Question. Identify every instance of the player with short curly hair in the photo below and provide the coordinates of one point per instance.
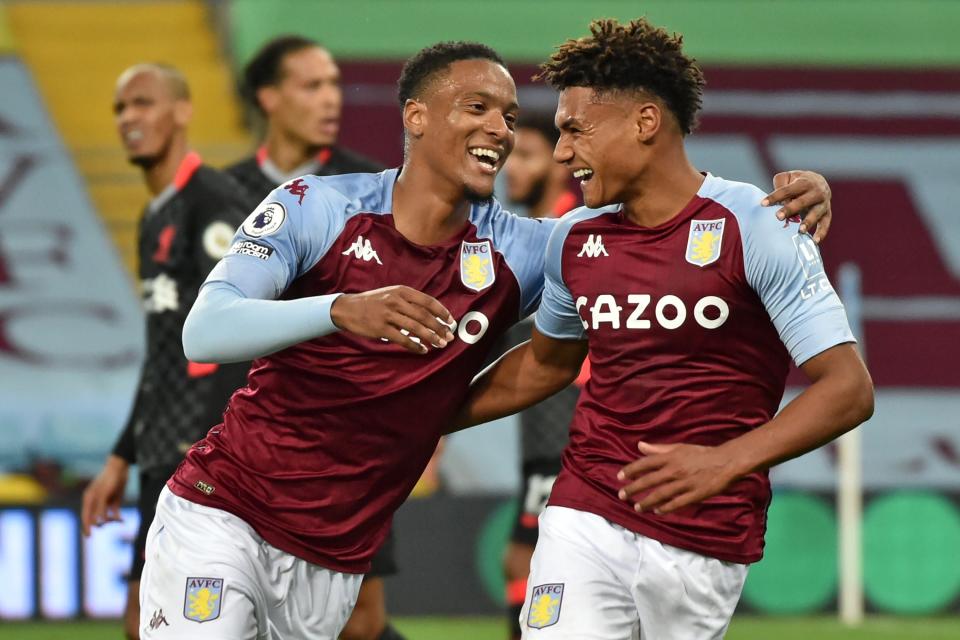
(691, 298)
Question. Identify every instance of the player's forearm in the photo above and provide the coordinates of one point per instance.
(225, 326)
(831, 406)
(514, 382)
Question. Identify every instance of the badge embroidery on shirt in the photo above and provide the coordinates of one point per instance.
(705, 241)
(476, 265)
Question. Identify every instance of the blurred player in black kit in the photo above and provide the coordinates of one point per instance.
(294, 83)
(541, 185)
(185, 229)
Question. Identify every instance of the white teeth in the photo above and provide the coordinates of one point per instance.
(136, 134)
(582, 173)
(488, 153)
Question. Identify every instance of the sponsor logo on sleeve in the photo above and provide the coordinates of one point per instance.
(202, 599)
(265, 221)
(252, 249)
(545, 601)
(705, 241)
(476, 265)
(815, 276)
(216, 239)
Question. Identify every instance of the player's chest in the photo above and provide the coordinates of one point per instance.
(669, 284)
(467, 275)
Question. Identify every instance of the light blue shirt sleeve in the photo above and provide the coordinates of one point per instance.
(557, 316)
(226, 326)
(236, 316)
(282, 239)
(785, 269)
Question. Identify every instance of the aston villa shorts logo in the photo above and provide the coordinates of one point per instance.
(476, 265)
(705, 241)
(545, 601)
(203, 599)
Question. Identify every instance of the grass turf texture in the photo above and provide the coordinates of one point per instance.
(743, 628)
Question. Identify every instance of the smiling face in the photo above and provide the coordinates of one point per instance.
(305, 103)
(602, 143)
(148, 114)
(463, 127)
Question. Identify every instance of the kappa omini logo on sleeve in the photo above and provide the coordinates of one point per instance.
(203, 599)
(476, 265)
(265, 221)
(545, 601)
(705, 241)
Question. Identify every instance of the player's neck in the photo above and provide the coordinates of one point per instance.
(663, 190)
(160, 175)
(426, 210)
(544, 208)
(286, 152)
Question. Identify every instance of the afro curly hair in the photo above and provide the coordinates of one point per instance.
(636, 56)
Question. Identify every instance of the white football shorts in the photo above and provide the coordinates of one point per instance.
(209, 575)
(591, 579)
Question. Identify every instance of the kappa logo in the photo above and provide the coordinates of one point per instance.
(158, 619)
(796, 218)
(265, 221)
(298, 188)
(704, 241)
(545, 601)
(476, 270)
(362, 249)
(593, 247)
(202, 599)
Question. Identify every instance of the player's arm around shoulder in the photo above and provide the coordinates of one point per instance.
(237, 315)
(522, 377)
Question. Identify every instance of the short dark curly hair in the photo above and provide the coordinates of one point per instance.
(419, 70)
(632, 56)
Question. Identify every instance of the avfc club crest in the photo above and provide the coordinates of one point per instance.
(476, 265)
(545, 601)
(203, 599)
(705, 241)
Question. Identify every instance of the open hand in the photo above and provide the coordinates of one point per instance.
(397, 314)
(805, 194)
(676, 475)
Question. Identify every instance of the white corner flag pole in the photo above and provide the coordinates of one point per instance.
(850, 476)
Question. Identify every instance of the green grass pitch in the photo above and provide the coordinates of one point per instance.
(743, 628)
